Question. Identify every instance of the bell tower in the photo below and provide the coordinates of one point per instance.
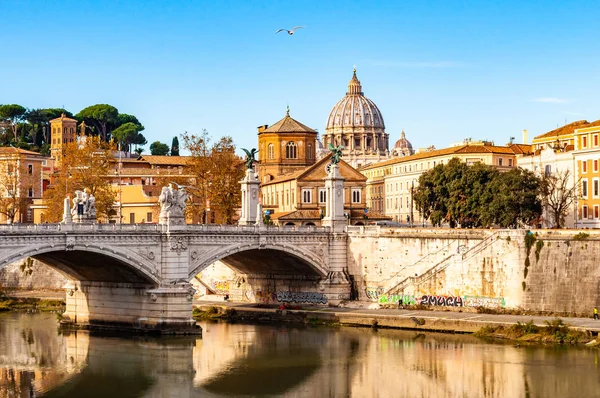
(63, 131)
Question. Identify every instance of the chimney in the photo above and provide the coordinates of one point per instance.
(262, 128)
(525, 137)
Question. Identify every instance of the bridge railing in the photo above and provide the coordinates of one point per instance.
(196, 228)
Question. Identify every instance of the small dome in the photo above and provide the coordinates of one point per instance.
(355, 110)
(321, 151)
(403, 146)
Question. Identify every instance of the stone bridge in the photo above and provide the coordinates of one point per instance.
(138, 275)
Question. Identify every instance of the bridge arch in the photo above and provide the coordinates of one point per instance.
(248, 258)
(90, 262)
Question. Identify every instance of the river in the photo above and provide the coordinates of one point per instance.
(235, 360)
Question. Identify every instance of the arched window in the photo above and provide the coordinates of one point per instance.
(309, 151)
(291, 150)
(271, 151)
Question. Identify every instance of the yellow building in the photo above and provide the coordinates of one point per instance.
(285, 148)
(20, 183)
(299, 198)
(390, 184)
(586, 159)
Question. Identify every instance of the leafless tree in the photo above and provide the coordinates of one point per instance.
(558, 196)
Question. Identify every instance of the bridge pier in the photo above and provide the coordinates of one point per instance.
(107, 305)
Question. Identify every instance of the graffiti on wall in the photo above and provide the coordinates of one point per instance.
(265, 296)
(301, 297)
(220, 287)
(373, 293)
(443, 301)
(405, 299)
(487, 302)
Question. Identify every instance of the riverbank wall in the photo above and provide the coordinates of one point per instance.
(540, 270)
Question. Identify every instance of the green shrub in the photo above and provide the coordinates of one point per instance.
(524, 285)
(538, 248)
(581, 236)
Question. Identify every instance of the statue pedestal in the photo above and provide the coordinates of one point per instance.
(250, 186)
(334, 205)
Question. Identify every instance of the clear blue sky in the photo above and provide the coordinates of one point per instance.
(440, 70)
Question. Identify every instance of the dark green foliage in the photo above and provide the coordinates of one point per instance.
(524, 285)
(525, 271)
(538, 248)
(175, 147)
(581, 236)
(102, 117)
(477, 196)
(158, 148)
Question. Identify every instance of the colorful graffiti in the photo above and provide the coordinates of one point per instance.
(397, 298)
(301, 297)
(220, 287)
(487, 302)
(373, 293)
(442, 301)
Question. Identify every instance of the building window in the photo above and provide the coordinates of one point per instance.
(30, 169)
(306, 196)
(584, 188)
(291, 150)
(499, 161)
(584, 166)
(595, 139)
(547, 170)
(30, 192)
(131, 218)
(584, 212)
(149, 216)
(309, 151)
(271, 151)
(596, 211)
(322, 195)
(510, 162)
(596, 165)
(356, 195)
(595, 187)
(584, 142)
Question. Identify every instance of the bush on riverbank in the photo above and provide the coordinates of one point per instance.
(31, 304)
(556, 331)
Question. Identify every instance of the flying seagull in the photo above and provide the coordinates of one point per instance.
(290, 32)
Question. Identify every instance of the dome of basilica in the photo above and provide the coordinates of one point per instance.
(403, 146)
(355, 110)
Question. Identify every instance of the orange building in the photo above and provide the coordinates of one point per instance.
(285, 148)
(20, 183)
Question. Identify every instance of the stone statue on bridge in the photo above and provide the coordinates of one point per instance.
(84, 207)
(172, 204)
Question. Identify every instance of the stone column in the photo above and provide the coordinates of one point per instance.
(67, 212)
(250, 186)
(334, 205)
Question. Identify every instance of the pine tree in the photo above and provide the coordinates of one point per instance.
(175, 147)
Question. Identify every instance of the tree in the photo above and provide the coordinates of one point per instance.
(103, 117)
(175, 147)
(39, 119)
(13, 114)
(217, 171)
(83, 166)
(516, 198)
(125, 134)
(158, 148)
(558, 195)
(15, 182)
(477, 195)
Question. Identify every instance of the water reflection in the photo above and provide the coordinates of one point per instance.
(244, 361)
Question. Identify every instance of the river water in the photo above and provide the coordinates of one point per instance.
(235, 360)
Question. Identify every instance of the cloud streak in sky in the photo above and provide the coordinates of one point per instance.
(551, 100)
(418, 64)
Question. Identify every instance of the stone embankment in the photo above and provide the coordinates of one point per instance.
(435, 321)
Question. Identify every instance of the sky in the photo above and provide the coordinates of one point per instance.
(442, 71)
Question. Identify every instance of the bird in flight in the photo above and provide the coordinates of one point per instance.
(290, 32)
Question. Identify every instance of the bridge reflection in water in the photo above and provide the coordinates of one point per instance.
(244, 360)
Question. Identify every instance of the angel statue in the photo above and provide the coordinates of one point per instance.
(336, 153)
(250, 157)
